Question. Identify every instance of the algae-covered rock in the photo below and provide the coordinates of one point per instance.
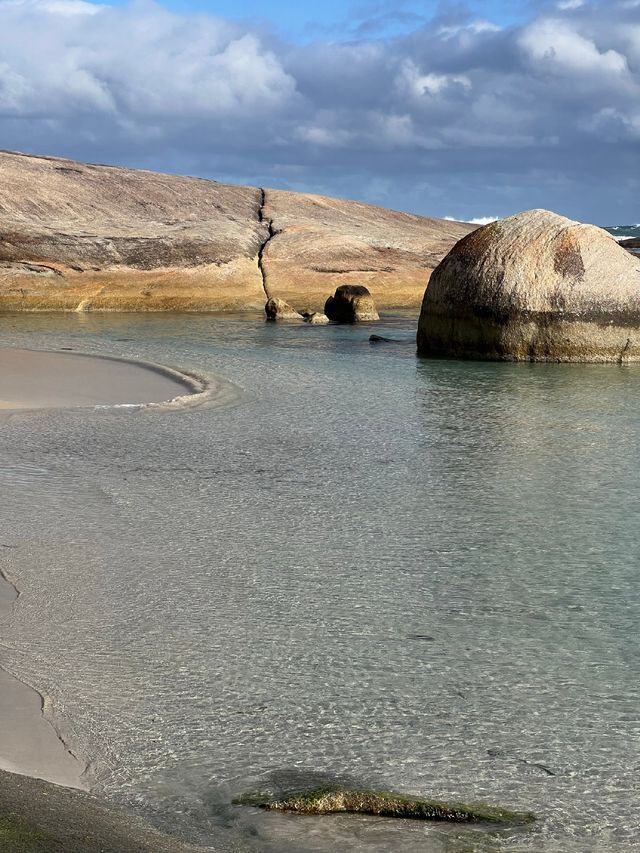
(383, 804)
(534, 287)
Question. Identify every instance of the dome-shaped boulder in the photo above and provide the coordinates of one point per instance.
(534, 287)
(351, 303)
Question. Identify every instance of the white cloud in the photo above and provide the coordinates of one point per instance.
(420, 84)
(132, 63)
(553, 43)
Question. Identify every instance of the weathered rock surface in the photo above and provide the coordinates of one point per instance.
(278, 309)
(75, 236)
(83, 237)
(320, 243)
(351, 303)
(534, 287)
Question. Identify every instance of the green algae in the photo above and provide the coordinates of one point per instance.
(18, 837)
(324, 801)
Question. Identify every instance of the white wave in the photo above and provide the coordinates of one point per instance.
(478, 220)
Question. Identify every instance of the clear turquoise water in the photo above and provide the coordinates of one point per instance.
(420, 575)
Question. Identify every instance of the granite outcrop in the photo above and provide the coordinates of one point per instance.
(84, 237)
(534, 287)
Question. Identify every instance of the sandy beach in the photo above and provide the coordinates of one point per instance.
(42, 380)
(45, 380)
(32, 752)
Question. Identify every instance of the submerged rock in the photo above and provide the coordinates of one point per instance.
(278, 309)
(351, 303)
(383, 804)
(316, 319)
(534, 287)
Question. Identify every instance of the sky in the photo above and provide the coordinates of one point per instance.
(463, 109)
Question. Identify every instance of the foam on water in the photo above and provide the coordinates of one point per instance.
(421, 575)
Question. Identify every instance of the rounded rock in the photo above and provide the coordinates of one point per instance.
(534, 287)
(278, 309)
(351, 303)
(317, 319)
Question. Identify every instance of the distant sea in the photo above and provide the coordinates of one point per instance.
(624, 232)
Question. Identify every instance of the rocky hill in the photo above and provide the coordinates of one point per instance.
(81, 237)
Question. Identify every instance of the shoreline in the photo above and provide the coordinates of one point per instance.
(52, 379)
(30, 744)
(39, 380)
(45, 795)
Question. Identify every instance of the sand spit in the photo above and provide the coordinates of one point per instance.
(31, 379)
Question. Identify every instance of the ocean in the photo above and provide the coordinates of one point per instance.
(625, 232)
(416, 575)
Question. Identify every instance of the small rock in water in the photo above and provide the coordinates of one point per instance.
(317, 318)
(378, 339)
(631, 243)
(278, 309)
(351, 303)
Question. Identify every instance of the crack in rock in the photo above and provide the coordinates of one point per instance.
(272, 232)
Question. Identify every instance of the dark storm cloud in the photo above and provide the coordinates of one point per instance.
(457, 117)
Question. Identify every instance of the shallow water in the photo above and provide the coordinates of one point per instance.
(420, 575)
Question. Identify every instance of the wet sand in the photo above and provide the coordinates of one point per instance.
(28, 742)
(30, 380)
(44, 380)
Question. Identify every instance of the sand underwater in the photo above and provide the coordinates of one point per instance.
(342, 562)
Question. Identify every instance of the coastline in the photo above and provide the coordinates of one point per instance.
(44, 790)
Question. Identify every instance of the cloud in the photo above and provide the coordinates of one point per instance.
(457, 115)
(556, 45)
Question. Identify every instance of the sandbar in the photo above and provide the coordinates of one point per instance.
(31, 379)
